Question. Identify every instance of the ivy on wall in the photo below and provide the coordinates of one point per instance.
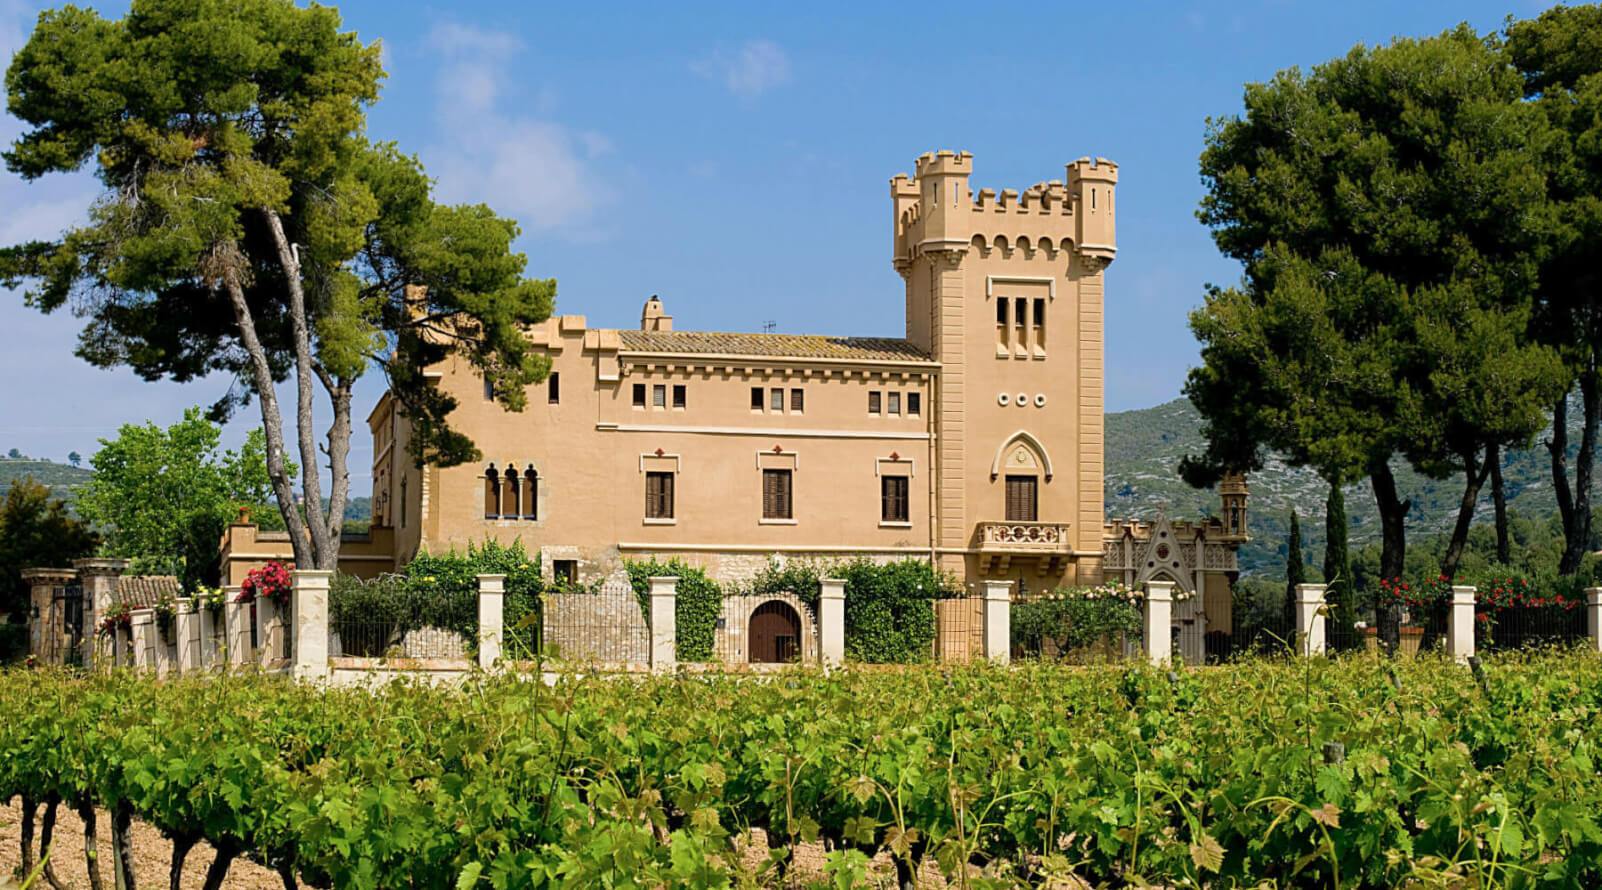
(889, 611)
(696, 611)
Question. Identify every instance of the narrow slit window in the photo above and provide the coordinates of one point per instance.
(873, 402)
(659, 396)
(756, 398)
(1020, 319)
(489, 390)
(531, 494)
(553, 388)
(681, 395)
(776, 400)
(492, 493)
(893, 402)
(509, 492)
(797, 400)
(639, 395)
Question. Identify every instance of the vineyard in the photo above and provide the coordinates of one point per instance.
(1349, 772)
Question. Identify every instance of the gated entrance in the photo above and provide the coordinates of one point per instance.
(66, 607)
(775, 634)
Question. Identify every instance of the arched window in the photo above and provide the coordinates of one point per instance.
(509, 493)
(531, 494)
(492, 493)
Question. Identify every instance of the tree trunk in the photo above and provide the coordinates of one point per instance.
(311, 482)
(272, 419)
(1474, 475)
(181, 846)
(47, 839)
(218, 872)
(29, 806)
(286, 873)
(339, 395)
(122, 864)
(1493, 457)
(91, 851)
(1393, 550)
(1577, 525)
(1338, 569)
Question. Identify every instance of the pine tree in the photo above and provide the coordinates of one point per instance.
(1295, 569)
(1338, 570)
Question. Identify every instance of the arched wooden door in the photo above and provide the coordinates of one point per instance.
(775, 634)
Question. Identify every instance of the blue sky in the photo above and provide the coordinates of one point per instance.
(735, 159)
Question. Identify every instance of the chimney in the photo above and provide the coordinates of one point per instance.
(652, 318)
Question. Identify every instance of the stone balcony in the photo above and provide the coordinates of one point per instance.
(999, 543)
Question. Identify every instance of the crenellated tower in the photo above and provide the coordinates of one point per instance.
(1004, 290)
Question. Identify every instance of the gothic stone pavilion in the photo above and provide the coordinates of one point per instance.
(974, 441)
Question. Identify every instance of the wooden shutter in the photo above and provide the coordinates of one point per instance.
(776, 494)
(659, 495)
(893, 499)
(1022, 499)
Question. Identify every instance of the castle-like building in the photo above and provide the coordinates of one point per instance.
(974, 441)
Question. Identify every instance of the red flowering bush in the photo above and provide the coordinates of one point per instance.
(270, 581)
(118, 617)
(1415, 596)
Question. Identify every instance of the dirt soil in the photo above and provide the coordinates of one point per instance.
(152, 854)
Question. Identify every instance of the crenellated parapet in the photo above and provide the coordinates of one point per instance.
(937, 210)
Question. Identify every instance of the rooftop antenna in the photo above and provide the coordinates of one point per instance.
(768, 327)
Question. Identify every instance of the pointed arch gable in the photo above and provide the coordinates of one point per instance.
(1027, 439)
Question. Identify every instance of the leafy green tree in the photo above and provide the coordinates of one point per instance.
(1560, 56)
(249, 227)
(74, 458)
(1338, 570)
(165, 496)
(1295, 569)
(14, 454)
(36, 531)
(1388, 208)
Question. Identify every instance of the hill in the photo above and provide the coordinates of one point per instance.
(1144, 448)
(61, 478)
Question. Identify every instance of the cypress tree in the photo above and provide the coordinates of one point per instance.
(1338, 570)
(1295, 569)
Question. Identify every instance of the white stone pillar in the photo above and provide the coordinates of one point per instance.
(491, 619)
(1310, 620)
(831, 622)
(119, 648)
(998, 621)
(186, 629)
(308, 604)
(211, 642)
(1593, 616)
(664, 636)
(236, 629)
(1460, 623)
(144, 639)
(1158, 630)
(99, 580)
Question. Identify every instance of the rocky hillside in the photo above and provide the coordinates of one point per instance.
(62, 478)
(1143, 452)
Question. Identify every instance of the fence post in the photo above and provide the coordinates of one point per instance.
(308, 605)
(236, 628)
(664, 636)
(1593, 616)
(831, 622)
(1460, 624)
(491, 618)
(206, 619)
(186, 630)
(1157, 632)
(266, 631)
(143, 622)
(998, 621)
(1310, 621)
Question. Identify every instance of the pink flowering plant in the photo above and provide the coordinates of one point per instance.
(271, 581)
(118, 617)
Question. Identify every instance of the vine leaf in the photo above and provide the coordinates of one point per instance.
(469, 876)
(1207, 853)
(1328, 815)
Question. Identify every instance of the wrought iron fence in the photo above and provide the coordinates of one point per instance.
(959, 629)
(440, 627)
(1075, 630)
(1256, 634)
(606, 627)
(1525, 627)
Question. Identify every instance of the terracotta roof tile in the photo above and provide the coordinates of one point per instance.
(142, 591)
(776, 345)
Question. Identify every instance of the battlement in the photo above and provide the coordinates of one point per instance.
(936, 210)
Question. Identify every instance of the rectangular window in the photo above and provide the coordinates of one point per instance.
(797, 400)
(1020, 318)
(1023, 503)
(1001, 311)
(776, 400)
(553, 388)
(914, 403)
(893, 498)
(756, 398)
(659, 396)
(776, 494)
(1040, 313)
(680, 395)
(489, 390)
(639, 395)
(873, 402)
(894, 400)
(564, 572)
(658, 495)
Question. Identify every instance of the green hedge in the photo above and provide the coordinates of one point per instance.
(695, 614)
(889, 611)
(1071, 622)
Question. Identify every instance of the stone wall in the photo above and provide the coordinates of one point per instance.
(607, 627)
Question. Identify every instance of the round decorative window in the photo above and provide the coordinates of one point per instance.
(1023, 400)
(1040, 400)
(1162, 551)
(1003, 399)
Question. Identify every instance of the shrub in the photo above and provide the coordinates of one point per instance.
(1071, 622)
(696, 611)
(889, 609)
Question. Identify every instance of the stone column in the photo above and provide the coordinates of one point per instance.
(144, 639)
(308, 600)
(186, 628)
(236, 629)
(1310, 620)
(1593, 617)
(1460, 624)
(664, 636)
(47, 628)
(211, 641)
(165, 654)
(99, 579)
(491, 619)
(998, 621)
(1158, 629)
(119, 648)
(831, 622)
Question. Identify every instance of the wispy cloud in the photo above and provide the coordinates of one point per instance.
(533, 168)
(753, 69)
